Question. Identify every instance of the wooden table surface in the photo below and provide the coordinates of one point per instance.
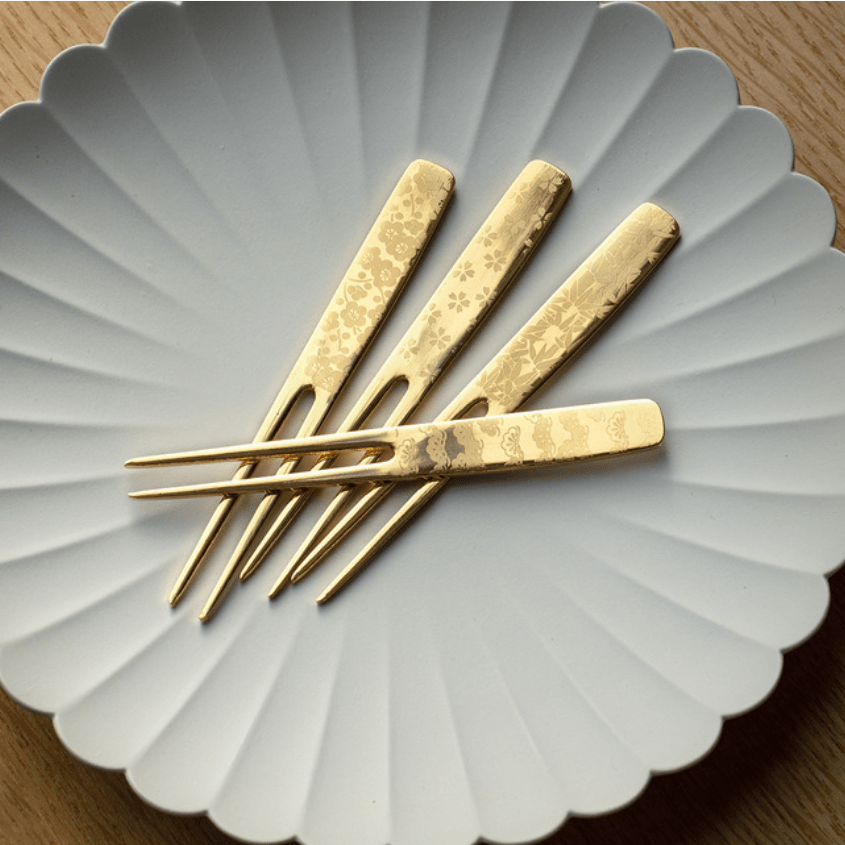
(777, 776)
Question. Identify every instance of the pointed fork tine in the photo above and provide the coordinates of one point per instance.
(331, 477)
(423, 496)
(285, 401)
(318, 444)
(326, 533)
(331, 539)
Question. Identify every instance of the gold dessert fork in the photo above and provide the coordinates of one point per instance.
(439, 449)
(363, 299)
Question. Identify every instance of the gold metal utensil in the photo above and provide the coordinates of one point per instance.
(571, 317)
(428, 450)
(356, 311)
(476, 282)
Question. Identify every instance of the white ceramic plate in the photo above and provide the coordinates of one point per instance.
(176, 209)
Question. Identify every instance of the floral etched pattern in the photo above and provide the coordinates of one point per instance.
(534, 439)
(458, 301)
(376, 276)
(577, 310)
(483, 272)
(511, 447)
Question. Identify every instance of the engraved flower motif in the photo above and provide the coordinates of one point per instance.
(463, 271)
(325, 369)
(616, 428)
(458, 301)
(542, 435)
(411, 348)
(394, 234)
(511, 446)
(438, 338)
(515, 227)
(401, 248)
(488, 427)
(428, 182)
(494, 261)
(414, 227)
(407, 456)
(356, 291)
(488, 236)
(538, 220)
(523, 194)
(433, 313)
(353, 315)
(389, 232)
(465, 434)
(431, 337)
(552, 183)
(330, 322)
(385, 274)
(371, 258)
(435, 447)
(578, 434)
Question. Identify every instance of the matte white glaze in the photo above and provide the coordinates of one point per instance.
(175, 211)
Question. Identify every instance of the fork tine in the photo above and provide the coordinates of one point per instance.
(423, 496)
(367, 503)
(308, 479)
(285, 401)
(317, 444)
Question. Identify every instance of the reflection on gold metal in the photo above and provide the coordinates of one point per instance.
(356, 311)
(557, 331)
(458, 447)
(470, 290)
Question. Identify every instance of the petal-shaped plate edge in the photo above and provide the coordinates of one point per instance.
(124, 18)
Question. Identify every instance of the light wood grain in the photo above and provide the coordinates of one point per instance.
(777, 775)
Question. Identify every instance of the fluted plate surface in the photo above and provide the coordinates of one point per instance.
(177, 207)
